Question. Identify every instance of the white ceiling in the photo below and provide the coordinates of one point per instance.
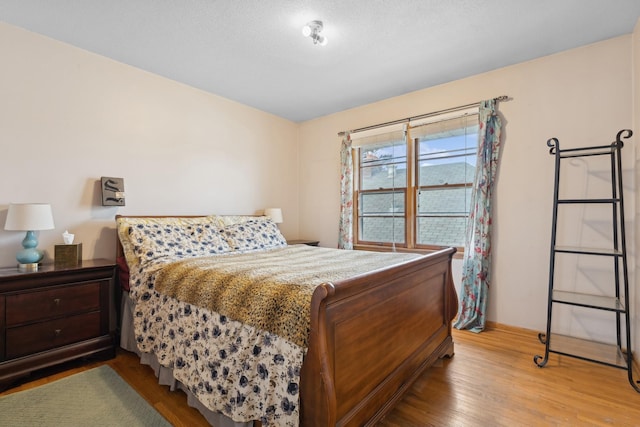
(253, 51)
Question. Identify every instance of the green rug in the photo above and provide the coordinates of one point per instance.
(97, 397)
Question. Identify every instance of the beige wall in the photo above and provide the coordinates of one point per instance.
(582, 96)
(68, 117)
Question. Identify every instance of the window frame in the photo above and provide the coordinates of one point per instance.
(411, 194)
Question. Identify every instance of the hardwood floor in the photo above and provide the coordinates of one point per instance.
(491, 381)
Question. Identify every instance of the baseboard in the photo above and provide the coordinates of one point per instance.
(508, 328)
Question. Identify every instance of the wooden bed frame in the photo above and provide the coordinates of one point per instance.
(371, 338)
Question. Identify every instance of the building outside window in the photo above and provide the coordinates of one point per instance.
(413, 182)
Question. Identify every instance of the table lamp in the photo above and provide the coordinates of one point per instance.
(29, 217)
(275, 214)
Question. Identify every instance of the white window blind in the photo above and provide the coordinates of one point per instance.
(443, 126)
(378, 136)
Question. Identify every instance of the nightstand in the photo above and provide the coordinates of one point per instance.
(55, 315)
(303, 242)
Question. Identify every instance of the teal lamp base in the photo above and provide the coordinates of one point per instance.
(29, 257)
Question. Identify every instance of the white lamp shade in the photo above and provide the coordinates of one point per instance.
(275, 214)
(29, 217)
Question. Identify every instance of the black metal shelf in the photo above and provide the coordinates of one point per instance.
(617, 355)
(601, 150)
(592, 351)
(588, 251)
(583, 201)
(590, 301)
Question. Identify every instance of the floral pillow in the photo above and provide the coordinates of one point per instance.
(254, 234)
(224, 220)
(149, 239)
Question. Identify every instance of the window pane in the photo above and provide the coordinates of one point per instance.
(444, 201)
(441, 230)
(447, 161)
(445, 172)
(442, 216)
(383, 166)
(382, 217)
(382, 229)
(380, 153)
(386, 203)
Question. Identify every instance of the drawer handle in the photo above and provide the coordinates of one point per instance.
(57, 332)
(57, 301)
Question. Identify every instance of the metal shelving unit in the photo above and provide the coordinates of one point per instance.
(617, 355)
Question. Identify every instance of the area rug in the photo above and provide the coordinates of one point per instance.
(97, 397)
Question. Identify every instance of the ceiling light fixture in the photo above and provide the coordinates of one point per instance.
(313, 29)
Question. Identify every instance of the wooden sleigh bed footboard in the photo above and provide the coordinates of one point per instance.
(372, 336)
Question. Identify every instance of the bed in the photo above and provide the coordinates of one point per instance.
(347, 341)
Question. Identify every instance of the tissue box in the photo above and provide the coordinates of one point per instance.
(68, 255)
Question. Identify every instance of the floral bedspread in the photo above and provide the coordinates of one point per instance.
(232, 368)
(243, 365)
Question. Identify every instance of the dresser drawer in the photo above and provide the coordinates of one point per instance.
(56, 314)
(63, 301)
(37, 337)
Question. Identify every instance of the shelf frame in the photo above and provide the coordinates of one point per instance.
(618, 355)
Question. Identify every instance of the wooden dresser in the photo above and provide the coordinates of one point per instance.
(55, 315)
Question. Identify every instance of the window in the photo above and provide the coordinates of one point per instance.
(413, 182)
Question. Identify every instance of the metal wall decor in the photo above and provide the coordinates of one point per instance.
(112, 191)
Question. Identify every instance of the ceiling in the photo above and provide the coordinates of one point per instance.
(253, 51)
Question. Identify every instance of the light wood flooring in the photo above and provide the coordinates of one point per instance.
(491, 381)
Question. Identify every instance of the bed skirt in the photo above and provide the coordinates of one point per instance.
(165, 375)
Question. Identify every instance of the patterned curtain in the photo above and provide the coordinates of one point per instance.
(476, 265)
(345, 238)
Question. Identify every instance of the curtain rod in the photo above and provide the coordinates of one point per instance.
(422, 116)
